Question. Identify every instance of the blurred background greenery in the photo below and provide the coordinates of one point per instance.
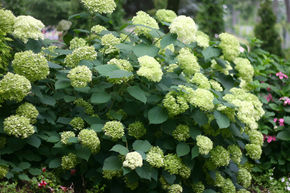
(269, 20)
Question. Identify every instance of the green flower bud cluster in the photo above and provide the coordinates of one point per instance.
(171, 67)
(245, 69)
(217, 67)
(150, 68)
(2, 142)
(77, 123)
(80, 76)
(216, 86)
(181, 133)
(202, 39)
(244, 177)
(143, 18)
(256, 137)
(228, 186)
(175, 188)
(3, 172)
(155, 157)
(100, 6)
(69, 161)
(114, 129)
(243, 191)
(77, 43)
(122, 65)
(18, 126)
(136, 130)
(185, 171)
(202, 99)
(131, 185)
(198, 187)
(165, 15)
(133, 160)
(230, 46)
(219, 156)
(97, 29)
(173, 164)
(235, 153)
(89, 109)
(188, 62)
(29, 111)
(175, 103)
(110, 174)
(82, 53)
(7, 21)
(200, 80)
(204, 144)
(254, 151)
(89, 139)
(65, 137)
(14, 87)
(109, 41)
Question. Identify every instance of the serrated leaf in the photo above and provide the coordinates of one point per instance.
(24, 165)
(112, 163)
(141, 145)
(200, 117)
(194, 132)
(104, 70)
(167, 40)
(54, 65)
(210, 52)
(221, 119)
(120, 149)
(23, 177)
(137, 93)
(182, 149)
(142, 50)
(34, 171)
(48, 100)
(194, 152)
(284, 135)
(61, 84)
(34, 141)
(83, 152)
(157, 115)
(100, 97)
(144, 172)
(97, 127)
(55, 163)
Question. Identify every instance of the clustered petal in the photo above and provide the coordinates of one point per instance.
(3, 171)
(219, 156)
(198, 187)
(244, 68)
(133, 160)
(80, 76)
(202, 39)
(18, 126)
(188, 62)
(136, 130)
(244, 177)
(89, 139)
(235, 153)
(230, 46)
(175, 103)
(82, 53)
(114, 129)
(150, 68)
(181, 133)
(155, 157)
(165, 15)
(77, 43)
(69, 161)
(143, 18)
(89, 109)
(175, 188)
(64, 137)
(200, 80)
(7, 21)
(109, 41)
(77, 123)
(97, 29)
(204, 144)
(100, 6)
(254, 151)
(29, 111)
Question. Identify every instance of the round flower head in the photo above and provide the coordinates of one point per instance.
(256, 137)
(175, 103)
(7, 21)
(27, 27)
(3, 172)
(228, 186)
(2, 142)
(254, 151)
(109, 41)
(230, 46)
(14, 87)
(235, 153)
(219, 156)
(203, 99)
(89, 109)
(133, 160)
(80, 76)
(65, 137)
(204, 144)
(143, 18)
(181, 133)
(100, 6)
(110, 174)
(18, 126)
(89, 139)
(243, 191)
(188, 62)
(175, 188)
(185, 171)
(82, 53)
(244, 177)
(198, 187)
(122, 65)
(172, 163)
(215, 85)
(155, 157)
(77, 43)
(114, 129)
(150, 68)
(165, 15)
(69, 161)
(136, 130)
(219, 180)
(171, 67)
(97, 29)
(202, 39)
(29, 111)
(200, 80)
(244, 68)
(77, 123)
(185, 28)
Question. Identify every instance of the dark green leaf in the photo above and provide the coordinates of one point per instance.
(221, 119)
(83, 152)
(167, 40)
(53, 139)
(144, 172)
(284, 135)
(24, 165)
(34, 171)
(112, 163)
(55, 163)
(119, 74)
(97, 127)
(182, 149)
(48, 100)
(100, 97)
(142, 50)
(61, 84)
(34, 141)
(209, 191)
(200, 117)
(287, 120)
(23, 177)
(120, 149)
(105, 69)
(157, 115)
(54, 65)
(221, 62)
(194, 152)
(194, 132)
(141, 145)
(137, 93)
(210, 52)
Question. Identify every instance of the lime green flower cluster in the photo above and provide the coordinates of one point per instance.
(14, 87)
(185, 28)
(249, 108)
(100, 6)
(132, 185)
(69, 161)
(77, 42)
(175, 188)
(202, 39)
(200, 80)
(175, 103)
(254, 151)
(136, 130)
(97, 29)
(228, 186)
(256, 137)
(82, 53)
(109, 41)
(230, 46)
(188, 62)
(244, 68)
(181, 133)
(143, 18)
(7, 21)
(163, 50)
(204, 144)
(114, 129)
(33, 66)
(89, 139)
(2, 142)
(244, 177)
(198, 187)
(110, 174)
(216, 66)
(219, 180)
(173, 164)
(64, 137)
(27, 27)
(18, 126)
(219, 156)
(235, 153)
(165, 15)
(3, 171)
(89, 109)
(215, 85)
(77, 123)
(185, 171)
(133, 160)
(155, 157)
(243, 191)
(171, 67)
(150, 68)
(29, 111)
(202, 99)
(122, 65)
(80, 76)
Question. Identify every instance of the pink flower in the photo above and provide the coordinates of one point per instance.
(42, 184)
(262, 81)
(273, 138)
(275, 120)
(268, 89)
(281, 122)
(43, 169)
(269, 97)
(281, 75)
(286, 100)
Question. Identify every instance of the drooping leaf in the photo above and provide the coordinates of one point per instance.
(157, 115)
(137, 93)
(120, 149)
(144, 172)
(210, 52)
(221, 119)
(142, 50)
(194, 152)
(100, 97)
(141, 145)
(112, 163)
(182, 149)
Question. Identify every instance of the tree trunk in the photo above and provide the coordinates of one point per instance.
(173, 5)
(287, 5)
